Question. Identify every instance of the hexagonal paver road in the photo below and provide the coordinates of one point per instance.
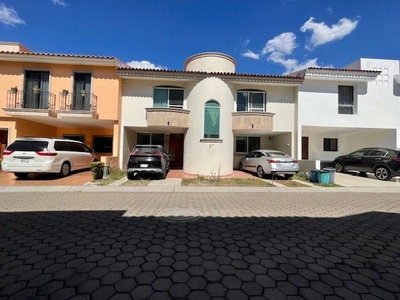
(102, 254)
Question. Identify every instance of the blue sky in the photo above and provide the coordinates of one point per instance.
(264, 36)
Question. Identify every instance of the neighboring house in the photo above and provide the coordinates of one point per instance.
(59, 95)
(207, 116)
(341, 110)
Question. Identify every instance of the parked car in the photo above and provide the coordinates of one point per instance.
(46, 155)
(383, 162)
(148, 159)
(270, 162)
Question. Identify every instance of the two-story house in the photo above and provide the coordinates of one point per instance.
(207, 116)
(342, 110)
(59, 95)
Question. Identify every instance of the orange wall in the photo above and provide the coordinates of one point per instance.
(28, 128)
(105, 83)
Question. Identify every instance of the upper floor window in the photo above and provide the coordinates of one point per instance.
(211, 119)
(82, 91)
(251, 101)
(36, 90)
(168, 96)
(346, 100)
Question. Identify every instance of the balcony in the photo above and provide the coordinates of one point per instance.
(167, 117)
(30, 103)
(252, 121)
(83, 105)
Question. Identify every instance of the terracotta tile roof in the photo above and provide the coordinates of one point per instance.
(291, 76)
(57, 55)
(343, 70)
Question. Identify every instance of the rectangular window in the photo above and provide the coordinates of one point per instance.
(346, 100)
(82, 91)
(251, 101)
(246, 144)
(168, 97)
(103, 144)
(330, 144)
(79, 138)
(36, 94)
(150, 139)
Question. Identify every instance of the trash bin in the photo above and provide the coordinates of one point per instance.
(323, 177)
(332, 172)
(314, 176)
(106, 171)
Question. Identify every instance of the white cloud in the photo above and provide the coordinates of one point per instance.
(330, 10)
(9, 16)
(60, 2)
(279, 49)
(251, 54)
(281, 45)
(144, 64)
(322, 34)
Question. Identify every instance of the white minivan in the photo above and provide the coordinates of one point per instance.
(46, 155)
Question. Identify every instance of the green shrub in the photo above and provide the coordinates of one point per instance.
(97, 169)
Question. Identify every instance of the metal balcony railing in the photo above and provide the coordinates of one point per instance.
(78, 101)
(21, 99)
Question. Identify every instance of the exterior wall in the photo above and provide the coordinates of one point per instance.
(211, 156)
(210, 62)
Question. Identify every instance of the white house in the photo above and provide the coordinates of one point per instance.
(341, 110)
(208, 116)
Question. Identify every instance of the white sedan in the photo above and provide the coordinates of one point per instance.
(269, 162)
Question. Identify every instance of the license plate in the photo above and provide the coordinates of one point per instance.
(144, 165)
(24, 161)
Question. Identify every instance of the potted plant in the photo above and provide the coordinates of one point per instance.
(36, 89)
(96, 168)
(83, 93)
(14, 90)
(64, 93)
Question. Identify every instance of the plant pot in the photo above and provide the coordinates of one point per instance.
(14, 90)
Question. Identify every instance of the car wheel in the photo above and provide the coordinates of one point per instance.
(241, 167)
(260, 172)
(339, 167)
(65, 169)
(130, 176)
(382, 173)
(288, 176)
(21, 175)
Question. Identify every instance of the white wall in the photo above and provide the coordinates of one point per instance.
(207, 158)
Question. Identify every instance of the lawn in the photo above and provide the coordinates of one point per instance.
(241, 182)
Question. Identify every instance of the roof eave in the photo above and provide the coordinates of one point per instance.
(59, 59)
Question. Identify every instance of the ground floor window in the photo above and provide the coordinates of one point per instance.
(80, 138)
(330, 144)
(151, 139)
(103, 144)
(246, 144)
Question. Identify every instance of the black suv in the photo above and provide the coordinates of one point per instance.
(148, 159)
(383, 162)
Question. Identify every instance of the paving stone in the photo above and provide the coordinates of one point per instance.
(179, 290)
(111, 278)
(216, 290)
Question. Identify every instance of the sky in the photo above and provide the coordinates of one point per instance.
(272, 37)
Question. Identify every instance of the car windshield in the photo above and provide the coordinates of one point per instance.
(146, 150)
(277, 154)
(28, 146)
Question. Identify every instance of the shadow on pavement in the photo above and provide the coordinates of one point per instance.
(104, 255)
